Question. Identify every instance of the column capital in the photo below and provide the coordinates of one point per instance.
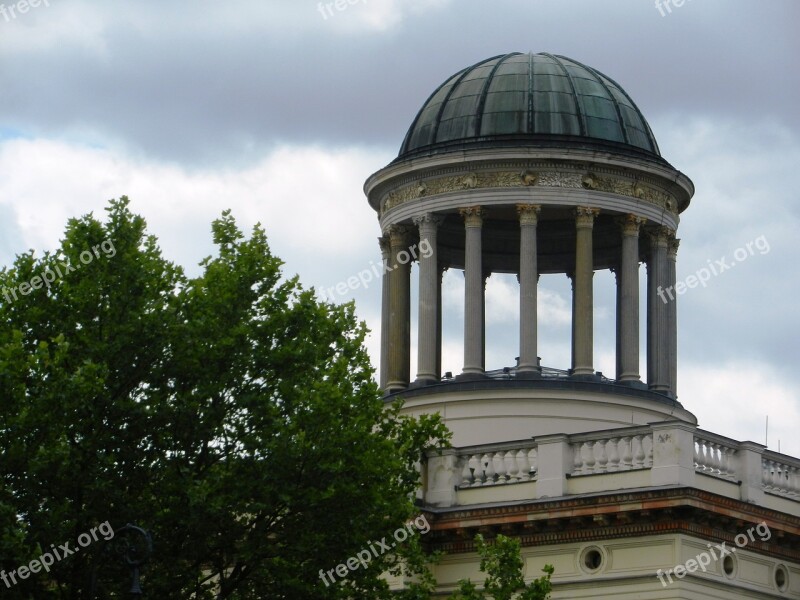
(672, 249)
(428, 220)
(473, 215)
(659, 236)
(384, 243)
(528, 213)
(399, 234)
(630, 224)
(584, 216)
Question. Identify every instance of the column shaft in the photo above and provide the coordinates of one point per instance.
(473, 292)
(384, 244)
(398, 374)
(528, 282)
(672, 318)
(428, 298)
(628, 297)
(439, 274)
(582, 317)
(657, 326)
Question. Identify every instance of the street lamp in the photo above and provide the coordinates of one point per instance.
(131, 546)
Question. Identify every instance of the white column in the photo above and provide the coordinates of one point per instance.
(657, 301)
(440, 274)
(473, 291)
(428, 299)
(582, 316)
(384, 244)
(528, 282)
(672, 318)
(398, 374)
(628, 296)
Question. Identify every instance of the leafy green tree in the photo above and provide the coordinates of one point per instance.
(232, 414)
(502, 564)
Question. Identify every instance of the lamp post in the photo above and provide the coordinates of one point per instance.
(131, 546)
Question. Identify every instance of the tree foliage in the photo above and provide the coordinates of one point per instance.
(502, 563)
(232, 414)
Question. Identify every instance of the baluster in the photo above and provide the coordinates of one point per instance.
(524, 465)
(602, 456)
(794, 483)
(500, 468)
(613, 454)
(647, 443)
(512, 470)
(533, 459)
(726, 461)
(577, 460)
(638, 452)
(627, 453)
(488, 469)
(697, 457)
(477, 469)
(590, 459)
(777, 477)
(766, 474)
(721, 460)
(709, 458)
(466, 472)
(701, 454)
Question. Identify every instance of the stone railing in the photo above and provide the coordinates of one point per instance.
(715, 455)
(608, 453)
(781, 475)
(497, 466)
(669, 453)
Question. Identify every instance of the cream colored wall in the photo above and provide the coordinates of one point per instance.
(628, 571)
(496, 416)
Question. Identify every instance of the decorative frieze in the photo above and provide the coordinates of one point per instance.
(566, 178)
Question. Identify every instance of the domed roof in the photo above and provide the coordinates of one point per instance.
(528, 98)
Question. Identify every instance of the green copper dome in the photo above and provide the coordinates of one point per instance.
(530, 99)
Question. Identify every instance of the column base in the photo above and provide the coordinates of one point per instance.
(471, 376)
(584, 376)
(395, 386)
(633, 383)
(660, 388)
(582, 371)
(529, 373)
(423, 382)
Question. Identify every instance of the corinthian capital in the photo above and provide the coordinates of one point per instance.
(584, 216)
(660, 236)
(672, 249)
(631, 224)
(473, 215)
(399, 235)
(528, 213)
(427, 221)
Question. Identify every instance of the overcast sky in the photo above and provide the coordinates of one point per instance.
(280, 109)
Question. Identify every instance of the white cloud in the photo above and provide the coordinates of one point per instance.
(309, 200)
(734, 399)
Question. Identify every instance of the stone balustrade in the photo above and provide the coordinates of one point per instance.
(498, 467)
(666, 453)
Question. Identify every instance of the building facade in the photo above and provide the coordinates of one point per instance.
(531, 164)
